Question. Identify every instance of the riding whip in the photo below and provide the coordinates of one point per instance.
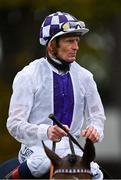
(51, 116)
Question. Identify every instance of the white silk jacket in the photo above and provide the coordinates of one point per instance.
(32, 102)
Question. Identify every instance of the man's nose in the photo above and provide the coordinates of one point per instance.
(75, 45)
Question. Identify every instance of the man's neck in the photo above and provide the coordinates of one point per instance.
(58, 64)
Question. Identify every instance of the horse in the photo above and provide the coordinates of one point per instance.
(69, 167)
(72, 166)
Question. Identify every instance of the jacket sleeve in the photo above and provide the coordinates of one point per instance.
(95, 115)
(19, 111)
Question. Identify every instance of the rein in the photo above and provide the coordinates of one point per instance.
(71, 147)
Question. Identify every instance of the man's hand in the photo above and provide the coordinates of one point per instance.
(55, 133)
(91, 133)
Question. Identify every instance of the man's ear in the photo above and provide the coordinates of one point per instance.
(49, 46)
(52, 47)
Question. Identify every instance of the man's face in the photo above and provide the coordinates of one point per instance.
(68, 47)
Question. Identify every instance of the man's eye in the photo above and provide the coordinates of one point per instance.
(70, 41)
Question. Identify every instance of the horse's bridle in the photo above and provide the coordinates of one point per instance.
(72, 171)
(71, 139)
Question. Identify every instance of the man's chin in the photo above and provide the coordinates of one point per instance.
(71, 60)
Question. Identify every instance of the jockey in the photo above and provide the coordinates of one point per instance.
(54, 84)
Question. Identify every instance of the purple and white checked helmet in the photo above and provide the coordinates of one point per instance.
(58, 24)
